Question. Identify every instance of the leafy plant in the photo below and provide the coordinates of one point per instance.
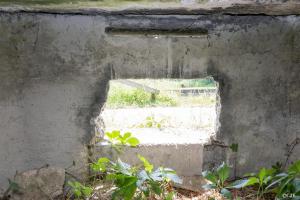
(118, 140)
(287, 183)
(262, 179)
(151, 122)
(119, 96)
(79, 190)
(137, 182)
(218, 180)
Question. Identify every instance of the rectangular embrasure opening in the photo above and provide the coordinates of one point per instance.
(163, 111)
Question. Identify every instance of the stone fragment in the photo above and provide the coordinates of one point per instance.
(40, 184)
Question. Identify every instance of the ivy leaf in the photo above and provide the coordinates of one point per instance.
(126, 135)
(101, 165)
(126, 188)
(87, 191)
(115, 134)
(133, 141)
(147, 165)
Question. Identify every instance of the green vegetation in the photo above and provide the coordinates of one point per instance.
(218, 180)
(138, 182)
(151, 122)
(274, 182)
(171, 84)
(118, 140)
(122, 97)
(79, 190)
(128, 182)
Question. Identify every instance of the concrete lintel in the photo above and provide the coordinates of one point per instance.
(224, 8)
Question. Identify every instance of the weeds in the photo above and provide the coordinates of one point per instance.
(120, 97)
(129, 182)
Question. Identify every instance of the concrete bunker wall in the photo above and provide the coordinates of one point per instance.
(55, 68)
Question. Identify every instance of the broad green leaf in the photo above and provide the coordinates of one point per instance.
(223, 172)
(276, 182)
(284, 184)
(296, 184)
(295, 168)
(174, 178)
(115, 134)
(147, 165)
(142, 177)
(239, 184)
(267, 179)
(157, 175)
(133, 141)
(226, 193)
(262, 174)
(252, 181)
(111, 177)
(126, 135)
(127, 190)
(210, 176)
(156, 187)
(209, 186)
(100, 165)
(123, 167)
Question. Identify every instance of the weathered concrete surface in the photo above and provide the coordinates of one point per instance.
(231, 7)
(43, 184)
(168, 155)
(55, 68)
(195, 118)
(185, 158)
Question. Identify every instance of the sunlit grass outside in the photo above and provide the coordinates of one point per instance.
(121, 96)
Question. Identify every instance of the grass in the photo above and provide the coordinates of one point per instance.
(123, 96)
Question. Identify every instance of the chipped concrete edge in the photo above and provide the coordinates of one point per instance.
(278, 9)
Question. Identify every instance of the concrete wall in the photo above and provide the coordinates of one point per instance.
(54, 70)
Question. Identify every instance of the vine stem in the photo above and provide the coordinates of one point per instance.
(291, 147)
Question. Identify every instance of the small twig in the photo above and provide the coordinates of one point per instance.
(218, 143)
(291, 147)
